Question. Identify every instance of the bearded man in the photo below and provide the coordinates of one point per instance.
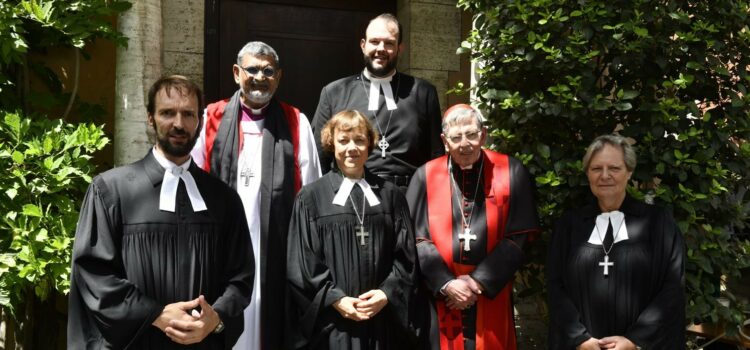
(404, 110)
(162, 257)
(264, 149)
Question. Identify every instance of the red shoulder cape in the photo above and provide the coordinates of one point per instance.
(494, 326)
(214, 114)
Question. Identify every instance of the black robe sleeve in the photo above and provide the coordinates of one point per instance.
(311, 286)
(399, 284)
(239, 273)
(563, 314)
(500, 265)
(662, 323)
(437, 148)
(434, 271)
(101, 297)
(322, 114)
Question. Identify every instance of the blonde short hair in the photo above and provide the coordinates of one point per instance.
(346, 121)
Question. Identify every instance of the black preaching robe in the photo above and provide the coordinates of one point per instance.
(494, 269)
(328, 262)
(642, 298)
(131, 259)
(414, 130)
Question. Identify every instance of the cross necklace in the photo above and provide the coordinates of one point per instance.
(466, 235)
(606, 264)
(247, 164)
(361, 233)
(383, 143)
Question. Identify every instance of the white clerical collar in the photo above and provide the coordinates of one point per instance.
(172, 175)
(602, 221)
(256, 111)
(375, 84)
(346, 187)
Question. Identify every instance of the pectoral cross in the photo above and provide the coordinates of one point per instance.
(467, 236)
(606, 264)
(362, 234)
(383, 145)
(247, 174)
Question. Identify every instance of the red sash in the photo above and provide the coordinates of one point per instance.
(494, 325)
(214, 114)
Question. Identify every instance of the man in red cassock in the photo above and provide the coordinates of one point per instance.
(470, 250)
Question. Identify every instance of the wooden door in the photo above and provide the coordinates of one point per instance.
(317, 42)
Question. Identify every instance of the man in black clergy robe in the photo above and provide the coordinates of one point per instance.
(162, 256)
(473, 210)
(404, 109)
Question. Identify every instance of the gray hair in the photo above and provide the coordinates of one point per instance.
(459, 114)
(628, 153)
(258, 48)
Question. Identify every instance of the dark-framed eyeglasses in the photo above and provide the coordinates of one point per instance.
(471, 136)
(267, 72)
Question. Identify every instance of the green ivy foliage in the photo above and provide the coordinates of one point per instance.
(34, 25)
(46, 169)
(672, 76)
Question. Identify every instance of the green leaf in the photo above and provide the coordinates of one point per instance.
(704, 264)
(14, 123)
(18, 157)
(623, 106)
(629, 94)
(32, 210)
(543, 150)
(41, 236)
(641, 32)
(48, 163)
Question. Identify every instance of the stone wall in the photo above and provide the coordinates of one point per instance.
(137, 66)
(183, 38)
(433, 30)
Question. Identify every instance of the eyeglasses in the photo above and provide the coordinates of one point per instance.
(268, 72)
(471, 136)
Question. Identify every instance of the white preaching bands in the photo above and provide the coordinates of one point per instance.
(346, 187)
(373, 98)
(375, 85)
(172, 175)
(602, 220)
(617, 219)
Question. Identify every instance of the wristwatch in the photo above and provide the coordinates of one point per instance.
(219, 327)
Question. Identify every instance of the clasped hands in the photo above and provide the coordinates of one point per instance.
(363, 307)
(614, 342)
(182, 323)
(462, 292)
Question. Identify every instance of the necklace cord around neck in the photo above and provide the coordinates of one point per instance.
(614, 234)
(374, 113)
(458, 190)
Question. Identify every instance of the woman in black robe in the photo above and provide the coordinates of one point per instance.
(351, 251)
(615, 269)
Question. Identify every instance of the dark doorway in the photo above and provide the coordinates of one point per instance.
(317, 42)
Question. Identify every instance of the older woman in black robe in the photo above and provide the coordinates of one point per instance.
(615, 269)
(351, 251)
